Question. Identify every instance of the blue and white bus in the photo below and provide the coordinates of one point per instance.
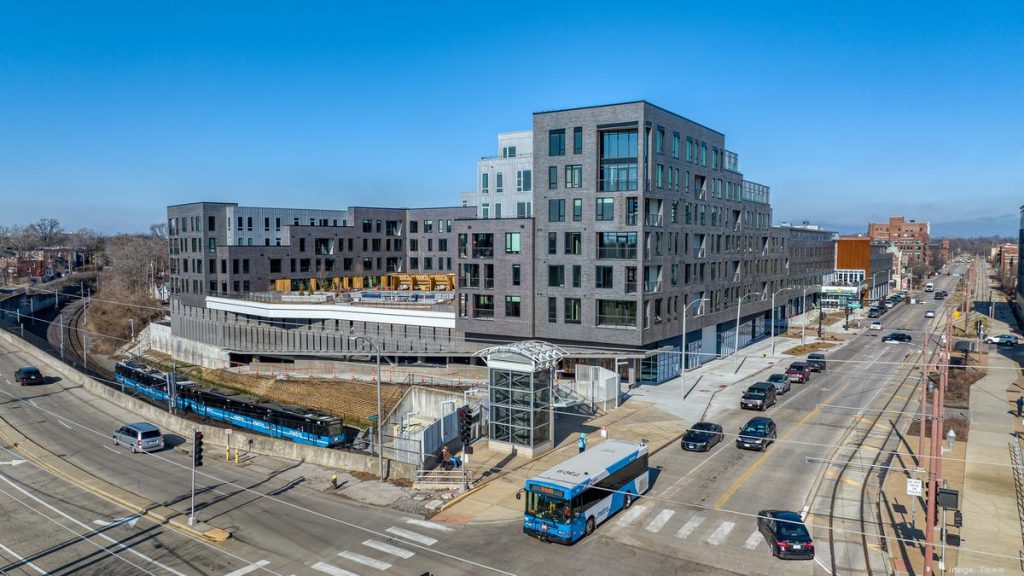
(568, 501)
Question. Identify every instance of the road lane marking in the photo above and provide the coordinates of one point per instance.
(332, 570)
(718, 536)
(365, 560)
(250, 568)
(631, 515)
(691, 525)
(414, 536)
(429, 524)
(64, 424)
(21, 560)
(659, 521)
(393, 550)
(753, 540)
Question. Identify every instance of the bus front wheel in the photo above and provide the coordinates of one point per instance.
(629, 500)
(590, 526)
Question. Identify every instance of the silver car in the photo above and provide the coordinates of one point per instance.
(140, 437)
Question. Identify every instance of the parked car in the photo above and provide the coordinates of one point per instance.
(929, 314)
(140, 437)
(759, 396)
(873, 312)
(28, 375)
(702, 436)
(781, 382)
(757, 434)
(798, 372)
(896, 338)
(1002, 340)
(786, 534)
(816, 361)
(876, 325)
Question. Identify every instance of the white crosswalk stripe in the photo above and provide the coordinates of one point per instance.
(718, 536)
(393, 550)
(250, 568)
(365, 560)
(753, 540)
(691, 525)
(659, 521)
(410, 535)
(331, 570)
(631, 515)
(429, 524)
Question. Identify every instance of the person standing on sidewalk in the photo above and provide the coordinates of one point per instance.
(582, 442)
(1020, 405)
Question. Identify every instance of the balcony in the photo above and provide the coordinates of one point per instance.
(617, 253)
(652, 286)
(630, 287)
(731, 161)
(652, 219)
(483, 252)
(632, 219)
(754, 192)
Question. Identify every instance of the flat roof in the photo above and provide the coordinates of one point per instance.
(591, 465)
(666, 110)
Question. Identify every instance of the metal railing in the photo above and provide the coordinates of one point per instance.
(1017, 461)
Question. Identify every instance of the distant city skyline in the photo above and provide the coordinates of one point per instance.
(850, 113)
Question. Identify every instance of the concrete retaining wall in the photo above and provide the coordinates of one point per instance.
(213, 435)
(190, 351)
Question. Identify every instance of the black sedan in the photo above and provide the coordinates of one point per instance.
(786, 534)
(28, 375)
(896, 338)
(757, 434)
(702, 436)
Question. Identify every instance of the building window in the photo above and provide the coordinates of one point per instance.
(508, 152)
(484, 184)
(577, 209)
(573, 242)
(212, 244)
(552, 309)
(616, 245)
(552, 177)
(659, 140)
(616, 313)
(521, 210)
(703, 153)
(516, 274)
(603, 276)
(577, 140)
(605, 210)
(675, 145)
(483, 306)
(574, 176)
(211, 223)
(689, 149)
(512, 242)
(485, 210)
(499, 183)
(573, 310)
(556, 276)
(512, 306)
(556, 210)
(577, 276)
(524, 180)
(659, 176)
(618, 160)
(552, 242)
(556, 143)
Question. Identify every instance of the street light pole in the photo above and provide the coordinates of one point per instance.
(739, 306)
(803, 310)
(380, 417)
(685, 353)
(773, 315)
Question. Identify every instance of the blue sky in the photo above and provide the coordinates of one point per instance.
(850, 111)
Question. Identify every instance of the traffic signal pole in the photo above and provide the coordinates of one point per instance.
(197, 460)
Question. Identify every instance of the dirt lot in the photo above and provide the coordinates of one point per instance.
(808, 348)
(961, 426)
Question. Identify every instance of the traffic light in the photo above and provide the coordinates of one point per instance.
(197, 449)
(465, 425)
(958, 519)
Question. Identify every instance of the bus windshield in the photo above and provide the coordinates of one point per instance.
(547, 507)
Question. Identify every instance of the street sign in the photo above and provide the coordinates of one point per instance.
(373, 417)
(227, 431)
(956, 314)
(914, 487)
(854, 304)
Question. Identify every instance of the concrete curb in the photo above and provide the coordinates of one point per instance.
(132, 502)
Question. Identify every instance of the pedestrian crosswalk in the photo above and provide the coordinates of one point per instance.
(375, 554)
(653, 521)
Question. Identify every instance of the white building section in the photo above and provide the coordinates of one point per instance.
(382, 315)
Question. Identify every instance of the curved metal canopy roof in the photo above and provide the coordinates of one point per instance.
(544, 355)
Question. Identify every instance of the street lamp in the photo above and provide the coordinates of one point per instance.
(773, 313)
(739, 306)
(803, 310)
(873, 283)
(685, 309)
(380, 417)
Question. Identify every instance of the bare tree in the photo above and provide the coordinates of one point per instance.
(24, 238)
(48, 231)
(158, 230)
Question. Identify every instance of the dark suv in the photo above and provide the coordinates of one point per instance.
(816, 361)
(759, 396)
(786, 534)
(757, 434)
(896, 338)
(28, 375)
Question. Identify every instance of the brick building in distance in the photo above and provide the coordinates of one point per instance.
(911, 237)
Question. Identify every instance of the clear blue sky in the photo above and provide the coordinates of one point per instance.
(850, 111)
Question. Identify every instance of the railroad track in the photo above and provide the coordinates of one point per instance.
(866, 438)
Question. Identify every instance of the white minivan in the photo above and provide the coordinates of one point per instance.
(929, 287)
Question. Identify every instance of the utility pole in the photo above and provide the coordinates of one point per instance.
(935, 459)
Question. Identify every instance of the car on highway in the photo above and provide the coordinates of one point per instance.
(786, 534)
(28, 375)
(876, 325)
(702, 436)
(816, 361)
(896, 338)
(798, 372)
(757, 434)
(781, 382)
(1002, 340)
(929, 314)
(139, 437)
(759, 396)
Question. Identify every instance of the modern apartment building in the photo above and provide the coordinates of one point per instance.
(863, 273)
(911, 237)
(505, 181)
